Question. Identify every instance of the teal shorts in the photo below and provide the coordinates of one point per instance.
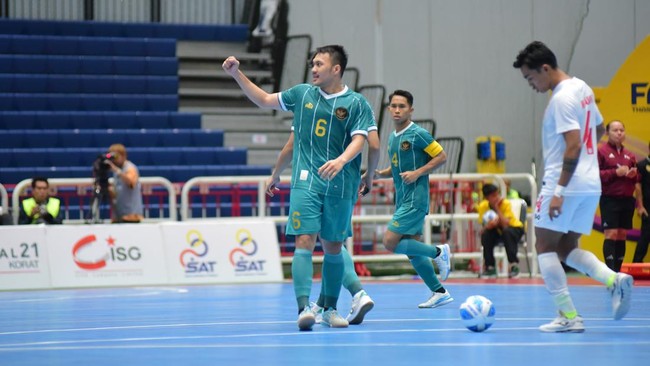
(407, 221)
(313, 213)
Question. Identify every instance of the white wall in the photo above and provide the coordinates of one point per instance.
(456, 56)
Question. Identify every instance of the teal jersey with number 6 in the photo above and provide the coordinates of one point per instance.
(323, 126)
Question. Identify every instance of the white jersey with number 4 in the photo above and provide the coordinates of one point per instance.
(572, 107)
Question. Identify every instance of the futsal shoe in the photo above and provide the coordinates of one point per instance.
(318, 312)
(437, 299)
(443, 261)
(306, 319)
(361, 305)
(562, 324)
(331, 318)
(621, 295)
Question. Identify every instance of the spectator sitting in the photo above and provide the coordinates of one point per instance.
(503, 226)
(40, 208)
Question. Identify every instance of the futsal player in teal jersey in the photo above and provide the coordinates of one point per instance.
(413, 153)
(330, 127)
(362, 303)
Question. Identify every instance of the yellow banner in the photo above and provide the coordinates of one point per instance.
(627, 98)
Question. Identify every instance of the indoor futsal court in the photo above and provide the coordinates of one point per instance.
(256, 324)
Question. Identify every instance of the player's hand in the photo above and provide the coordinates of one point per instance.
(642, 212)
(409, 177)
(231, 65)
(555, 207)
(330, 169)
(272, 186)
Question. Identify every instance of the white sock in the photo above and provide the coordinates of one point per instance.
(556, 283)
(587, 263)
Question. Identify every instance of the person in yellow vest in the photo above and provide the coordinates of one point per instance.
(40, 208)
(499, 225)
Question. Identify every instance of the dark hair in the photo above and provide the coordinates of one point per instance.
(39, 179)
(488, 189)
(402, 93)
(337, 54)
(612, 121)
(534, 56)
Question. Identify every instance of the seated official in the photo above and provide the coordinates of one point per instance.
(40, 208)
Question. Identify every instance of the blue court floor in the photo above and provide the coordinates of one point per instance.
(256, 325)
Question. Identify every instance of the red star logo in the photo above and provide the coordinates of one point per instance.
(110, 241)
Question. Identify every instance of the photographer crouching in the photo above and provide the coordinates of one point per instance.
(40, 208)
(126, 191)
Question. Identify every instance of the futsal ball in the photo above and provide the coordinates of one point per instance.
(477, 313)
(489, 216)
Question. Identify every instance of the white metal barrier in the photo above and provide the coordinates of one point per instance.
(84, 183)
(4, 199)
(203, 182)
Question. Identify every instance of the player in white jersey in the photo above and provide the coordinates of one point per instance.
(570, 191)
(330, 127)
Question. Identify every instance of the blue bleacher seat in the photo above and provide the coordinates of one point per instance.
(61, 64)
(35, 46)
(198, 32)
(160, 48)
(154, 120)
(6, 64)
(207, 138)
(62, 46)
(16, 120)
(64, 84)
(29, 64)
(129, 66)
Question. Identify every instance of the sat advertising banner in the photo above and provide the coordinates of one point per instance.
(222, 251)
(106, 255)
(23, 258)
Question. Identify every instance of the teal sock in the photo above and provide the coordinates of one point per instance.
(414, 248)
(424, 268)
(351, 281)
(332, 277)
(302, 271)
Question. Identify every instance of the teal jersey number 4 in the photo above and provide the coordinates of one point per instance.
(409, 150)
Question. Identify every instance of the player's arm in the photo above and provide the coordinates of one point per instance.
(573, 145)
(571, 156)
(256, 94)
(373, 160)
(438, 157)
(284, 158)
(332, 167)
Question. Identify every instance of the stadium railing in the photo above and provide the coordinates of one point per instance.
(4, 199)
(76, 206)
(211, 196)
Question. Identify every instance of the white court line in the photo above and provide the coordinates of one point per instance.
(296, 333)
(274, 322)
(151, 292)
(336, 345)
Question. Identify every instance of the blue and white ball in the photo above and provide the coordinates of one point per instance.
(489, 216)
(477, 313)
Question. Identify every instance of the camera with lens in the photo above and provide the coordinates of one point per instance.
(101, 168)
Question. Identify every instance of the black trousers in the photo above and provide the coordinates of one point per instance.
(510, 237)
